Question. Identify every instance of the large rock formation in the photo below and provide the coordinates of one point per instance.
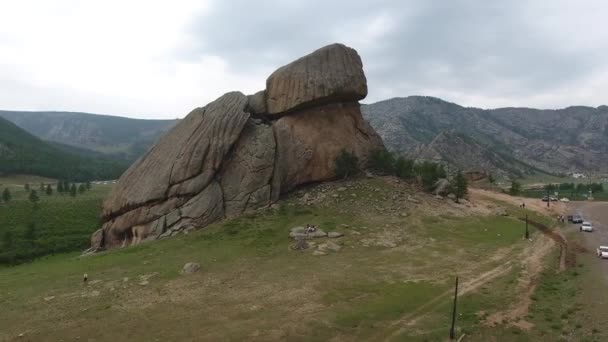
(241, 152)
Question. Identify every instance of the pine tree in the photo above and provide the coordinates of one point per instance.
(460, 186)
(29, 234)
(7, 240)
(42, 187)
(491, 178)
(27, 187)
(34, 197)
(6, 195)
(73, 190)
(60, 187)
(49, 190)
(515, 188)
(82, 189)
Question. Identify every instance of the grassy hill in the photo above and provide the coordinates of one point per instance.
(391, 279)
(22, 153)
(57, 223)
(119, 137)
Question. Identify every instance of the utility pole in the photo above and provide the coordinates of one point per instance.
(452, 332)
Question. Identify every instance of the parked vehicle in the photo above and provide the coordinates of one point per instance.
(570, 218)
(586, 227)
(602, 252)
(553, 198)
(577, 219)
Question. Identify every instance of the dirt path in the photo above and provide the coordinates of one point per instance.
(527, 282)
(532, 265)
(468, 286)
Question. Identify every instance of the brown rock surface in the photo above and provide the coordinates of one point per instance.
(309, 141)
(333, 73)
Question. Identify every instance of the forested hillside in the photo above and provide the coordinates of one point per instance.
(119, 137)
(22, 153)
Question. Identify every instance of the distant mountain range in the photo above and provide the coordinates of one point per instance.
(119, 137)
(512, 141)
(23, 153)
(505, 141)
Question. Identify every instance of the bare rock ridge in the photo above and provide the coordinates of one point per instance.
(241, 152)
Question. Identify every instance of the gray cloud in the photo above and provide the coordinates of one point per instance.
(481, 49)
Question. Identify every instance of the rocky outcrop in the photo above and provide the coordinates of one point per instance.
(331, 74)
(241, 152)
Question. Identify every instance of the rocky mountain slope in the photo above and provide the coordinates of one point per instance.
(23, 153)
(120, 137)
(241, 152)
(553, 141)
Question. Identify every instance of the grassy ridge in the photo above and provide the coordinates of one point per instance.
(253, 287)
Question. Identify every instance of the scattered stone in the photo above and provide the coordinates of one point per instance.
(302, 233)
(335, 195)
(334, 235)
(451, 196)
(275, 206)
(125, 279)
(300, 245)
(341, 189)
(441, 187)
(144, 283)
(49, 298)
(501, 211)
(318, 253)
(191, 267)
(412, 199)
(317, 233)
(329, 246)
(439, 197)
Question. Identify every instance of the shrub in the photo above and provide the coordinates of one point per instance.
(346, 164)
(404, 168)
(382, 161)
(515, 188)
(429, 173)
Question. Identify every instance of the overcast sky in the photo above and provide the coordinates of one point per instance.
(160, 59)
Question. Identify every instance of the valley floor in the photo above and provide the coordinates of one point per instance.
(391, 279)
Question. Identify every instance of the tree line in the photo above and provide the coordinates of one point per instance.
(384, 162)
(32, 240)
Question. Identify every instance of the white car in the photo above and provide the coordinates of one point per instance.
(586, 227)
(602, 252)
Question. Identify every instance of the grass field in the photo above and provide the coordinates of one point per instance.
(57, 223)
(391, 280)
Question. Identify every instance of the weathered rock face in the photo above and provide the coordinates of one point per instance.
(241, 152)
(331, 74)
(309, 141)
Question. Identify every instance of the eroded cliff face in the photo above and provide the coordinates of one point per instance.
(241, 152)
